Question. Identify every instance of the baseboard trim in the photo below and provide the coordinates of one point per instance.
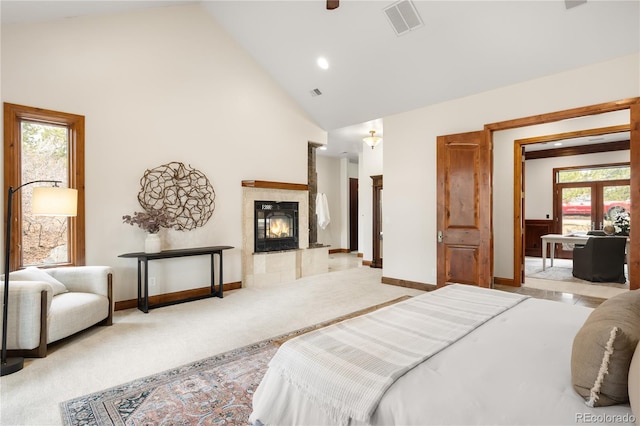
(505, 281)
(409, 284)
(175, 296)
(342, 250)
(366, 263)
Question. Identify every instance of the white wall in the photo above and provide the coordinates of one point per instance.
(539, 178)
(410, 157)
(157, 86)
(330, 182)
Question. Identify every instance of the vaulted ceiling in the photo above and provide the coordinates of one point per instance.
(461, 48)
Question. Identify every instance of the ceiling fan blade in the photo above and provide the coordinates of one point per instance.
(332, 4)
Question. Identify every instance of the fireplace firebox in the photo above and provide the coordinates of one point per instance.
(276, 226)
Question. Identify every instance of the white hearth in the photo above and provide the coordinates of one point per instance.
(271, 268)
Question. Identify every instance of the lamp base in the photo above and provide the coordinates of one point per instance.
(12, 365)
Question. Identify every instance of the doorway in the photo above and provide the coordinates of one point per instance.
(633, 106)
(377, 222)
(353, 214)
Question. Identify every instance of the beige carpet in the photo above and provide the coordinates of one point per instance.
(211, 391)
(139, 344)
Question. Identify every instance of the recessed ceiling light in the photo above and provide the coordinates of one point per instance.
(557, 144)
(323, 63)
(323, 148)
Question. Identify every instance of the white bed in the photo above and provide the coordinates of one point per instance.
(512, 370)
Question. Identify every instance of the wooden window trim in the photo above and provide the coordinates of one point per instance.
(13, 115)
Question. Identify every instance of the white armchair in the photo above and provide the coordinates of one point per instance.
(48, 305)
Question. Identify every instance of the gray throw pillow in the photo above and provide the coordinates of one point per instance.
(634, 385)
(603, 349)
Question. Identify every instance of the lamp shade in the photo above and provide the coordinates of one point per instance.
(372, 140)
(54, 201)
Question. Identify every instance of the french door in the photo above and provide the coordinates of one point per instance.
(586, 206)
(582, 208)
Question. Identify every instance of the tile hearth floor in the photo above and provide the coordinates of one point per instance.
(341, 261)
(574, 299)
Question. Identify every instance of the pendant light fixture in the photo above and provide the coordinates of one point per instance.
(372, 140)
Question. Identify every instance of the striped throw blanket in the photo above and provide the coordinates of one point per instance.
(346, 368)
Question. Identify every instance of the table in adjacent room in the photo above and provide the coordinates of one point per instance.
(143, 263)
(552, 239)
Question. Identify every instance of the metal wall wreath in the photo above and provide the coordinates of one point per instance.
(182, 192)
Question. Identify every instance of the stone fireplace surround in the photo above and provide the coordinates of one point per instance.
(271, 268)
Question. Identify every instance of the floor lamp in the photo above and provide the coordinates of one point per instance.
(47, 201)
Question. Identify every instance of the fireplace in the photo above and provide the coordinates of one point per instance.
(276, 226)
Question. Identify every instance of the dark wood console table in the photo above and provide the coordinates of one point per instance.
(144, 258)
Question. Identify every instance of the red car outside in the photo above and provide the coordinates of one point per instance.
(583, 208)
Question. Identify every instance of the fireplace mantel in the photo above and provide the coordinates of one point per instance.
(270, 268)
(274, 185)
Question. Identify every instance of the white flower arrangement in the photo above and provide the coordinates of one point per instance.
(622, 223)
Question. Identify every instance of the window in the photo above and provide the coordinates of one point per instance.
(590, 198)
(47, 145)
(593, 174)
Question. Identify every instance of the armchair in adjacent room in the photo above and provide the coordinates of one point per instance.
(601, 259)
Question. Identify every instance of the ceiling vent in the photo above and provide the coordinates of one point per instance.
(403, 17)
(315, 92)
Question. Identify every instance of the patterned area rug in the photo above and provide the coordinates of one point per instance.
(561, 271)
(559, 278)
(215, 390)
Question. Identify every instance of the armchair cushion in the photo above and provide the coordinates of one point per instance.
(84, 279)
(37, 317)
(25, 308)
(33, 273)
(75, 311)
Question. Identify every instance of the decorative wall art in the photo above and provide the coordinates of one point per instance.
(182, 192)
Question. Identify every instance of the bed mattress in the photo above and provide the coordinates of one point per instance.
(513, 370)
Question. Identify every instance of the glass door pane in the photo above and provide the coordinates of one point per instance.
(576, 213)
(615, 201)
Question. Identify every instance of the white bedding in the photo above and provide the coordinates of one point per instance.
(514, 369)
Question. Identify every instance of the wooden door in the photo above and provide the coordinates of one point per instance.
(353, 214)
(465, 244)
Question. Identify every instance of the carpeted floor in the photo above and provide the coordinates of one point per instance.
(215, 390)
(140, 345)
